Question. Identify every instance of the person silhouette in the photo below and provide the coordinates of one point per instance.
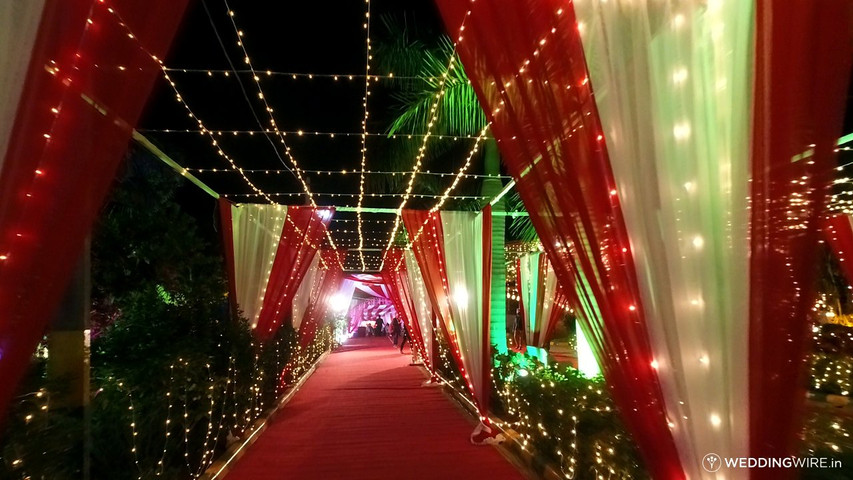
(395, 329)
(405, 337)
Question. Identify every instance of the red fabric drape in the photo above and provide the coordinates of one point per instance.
(802, 58)
(429, 253)
(837, 230)
(59, 164)
(228, 240)
(316, 311)
(300, 238)
(486, 394)
(548, 129)
(395, 277)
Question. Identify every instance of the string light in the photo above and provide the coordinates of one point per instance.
(442, 200)
(350, 195)
(190, 113)
(432, 121)
(306, 133)
(346, 172)
(271, 116)
(364, 134)
(295, 75)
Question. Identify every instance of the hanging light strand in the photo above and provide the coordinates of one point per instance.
(432, 121)
(350, 195)
(442, 200)
(347, 172)
(306, 133)
(203, 129)
(190, 113)
(295, 75)
(271, 116)
(364, 133)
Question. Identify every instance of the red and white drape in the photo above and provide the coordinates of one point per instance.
(453, 253)
(269, 249)
(396, 278)
(423, 309)
(541, 297)
(329, 270)
(308, 291)
(680, 199)
(58, 152)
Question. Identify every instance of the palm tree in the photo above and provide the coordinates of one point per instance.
(422, 63)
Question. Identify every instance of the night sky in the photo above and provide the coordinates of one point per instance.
(320, 38)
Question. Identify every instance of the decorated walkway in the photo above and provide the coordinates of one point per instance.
(364, 415)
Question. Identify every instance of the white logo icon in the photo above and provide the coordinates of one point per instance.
(712, 462)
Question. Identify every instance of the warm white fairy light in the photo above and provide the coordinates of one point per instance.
(432, 121)
(442, 199)
(348, 172)
(271, 116)
(350, 195)
(306, 133)
(210, 72)
(364, 134)
(202, 128)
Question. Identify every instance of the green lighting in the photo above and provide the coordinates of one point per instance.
(586, 359)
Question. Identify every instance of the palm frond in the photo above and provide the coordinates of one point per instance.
(520, 228)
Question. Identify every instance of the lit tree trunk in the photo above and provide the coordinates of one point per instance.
(491, 187)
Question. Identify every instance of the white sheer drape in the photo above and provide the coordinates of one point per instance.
(672, 82)
(538, 291)
(463, 252)
(420, 298)
(19, 21)
(528, 278)
(256, 231)
(549, 295)
(307, 292)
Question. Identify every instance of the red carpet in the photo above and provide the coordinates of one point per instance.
(364, 415)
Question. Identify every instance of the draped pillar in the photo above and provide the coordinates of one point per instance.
(454, 255)
(332, 278)
(422, 308)
(540, 298)
(251, 235)
(673, 84)
(527, 65)
(58, 153)
(271, 249)
(308, 291)
(396, 279)
(681, 198)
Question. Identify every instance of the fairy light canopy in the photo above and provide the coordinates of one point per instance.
(295, 109)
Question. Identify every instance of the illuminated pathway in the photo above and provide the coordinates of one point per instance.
(364, 415)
